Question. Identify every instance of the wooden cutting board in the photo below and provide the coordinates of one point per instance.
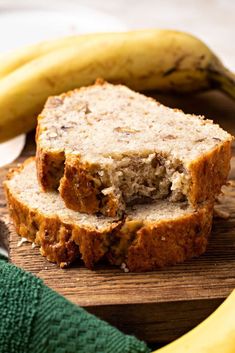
(156, 306)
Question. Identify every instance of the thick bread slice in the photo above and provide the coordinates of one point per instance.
(150, 236)
(107, 147)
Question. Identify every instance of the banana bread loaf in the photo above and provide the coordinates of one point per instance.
(149, 236)
(106, 147)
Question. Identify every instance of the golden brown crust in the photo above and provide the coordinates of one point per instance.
(81, 187)
(170, 242)
(142, 245)
(87, 197)
(209, 173)
(50, 168)
(60, 242)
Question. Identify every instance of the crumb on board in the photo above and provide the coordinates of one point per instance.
(221, 214)
(22, 241)
(64, 264)
(124, 267)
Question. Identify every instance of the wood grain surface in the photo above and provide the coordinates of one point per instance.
(156, 306)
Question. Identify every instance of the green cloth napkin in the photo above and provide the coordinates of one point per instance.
(36, 319)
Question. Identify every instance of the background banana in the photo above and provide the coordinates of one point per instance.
(161, 60)
(13, 60)
(214, 335)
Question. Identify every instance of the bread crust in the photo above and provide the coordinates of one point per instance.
(50, 168)
(141, 245)
(81, 186)
(170, 242)
(208, 174)
(87, 197)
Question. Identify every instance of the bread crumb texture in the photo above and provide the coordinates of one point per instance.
(148, 237)
(107, 147)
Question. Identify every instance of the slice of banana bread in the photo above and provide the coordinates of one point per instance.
(107, 147)
(150, 236)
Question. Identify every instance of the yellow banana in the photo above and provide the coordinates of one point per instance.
(144, 60)
(13, 60)
(214, 335)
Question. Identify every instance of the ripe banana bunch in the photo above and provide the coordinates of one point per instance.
(214, 335)
(161, 60)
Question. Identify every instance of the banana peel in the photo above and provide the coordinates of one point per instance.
(163, 60)
(21, 56)
(214, 335)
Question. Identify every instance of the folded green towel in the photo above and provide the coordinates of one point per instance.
(36, 319)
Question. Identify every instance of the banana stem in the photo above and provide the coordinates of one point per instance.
(224, 80)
